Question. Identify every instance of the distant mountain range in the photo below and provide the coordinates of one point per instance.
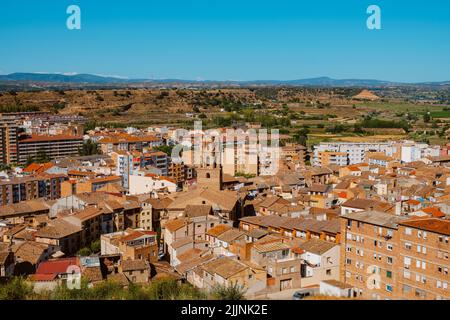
(80, 79)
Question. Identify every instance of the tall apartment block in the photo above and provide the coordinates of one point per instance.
(8, 140)
(386, 256)
(424, 259)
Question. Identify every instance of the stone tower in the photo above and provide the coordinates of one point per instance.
(209, 177)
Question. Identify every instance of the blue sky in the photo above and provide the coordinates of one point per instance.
(229, 40)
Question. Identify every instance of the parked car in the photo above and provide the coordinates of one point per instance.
(302, 294)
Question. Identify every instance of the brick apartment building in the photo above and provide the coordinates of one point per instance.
(8, 140)
(385, 256)
(46, 186)
(424, 259)
(370, 253)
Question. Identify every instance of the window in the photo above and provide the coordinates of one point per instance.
(419, 234)
(446, 271)
(388, 274)
(445, 285)
(292, 269)
(348, 248)
(389, 288)
(424, 235)
(348, 261)
(406, 288)
(389, 247)
(408, 231)
(328, 272)
(424, 265)
(347, 274)
(284, 271)
(438, 284)
(420, 293)
(407, 262)
(390, 260)
(408, 246)
(406, 274)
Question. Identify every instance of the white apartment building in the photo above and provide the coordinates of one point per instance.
(356, 151)
(405, 151)
(141, 182)
(124, 166)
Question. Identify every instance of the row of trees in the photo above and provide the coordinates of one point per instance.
(164, 289)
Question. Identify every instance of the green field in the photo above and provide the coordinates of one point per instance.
(440, 114)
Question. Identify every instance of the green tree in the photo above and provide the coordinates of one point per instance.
(30, 160)
(88, 148)
(95, 246)
(426, 117)
(301, 136)
(42, 156)
(164, 148)
(233, 292)
(357, 128)
(84, 252)
(15, 289)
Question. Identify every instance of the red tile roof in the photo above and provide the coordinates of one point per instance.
(435, 212)
(429, 224)
(56, 266)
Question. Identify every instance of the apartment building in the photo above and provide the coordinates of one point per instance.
(327, 158)
(176, 171)
(424, 259)
(131, 244)
(157, 159)
(72, 187)
(8, 139)
(294, 153)
(124, 165)
(370, 254)
(355, 152)
(126, 142)
(46, 186)
(89, 221)
(55, 147)
(237, 152)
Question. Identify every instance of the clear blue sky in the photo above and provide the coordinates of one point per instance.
(229, 39)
